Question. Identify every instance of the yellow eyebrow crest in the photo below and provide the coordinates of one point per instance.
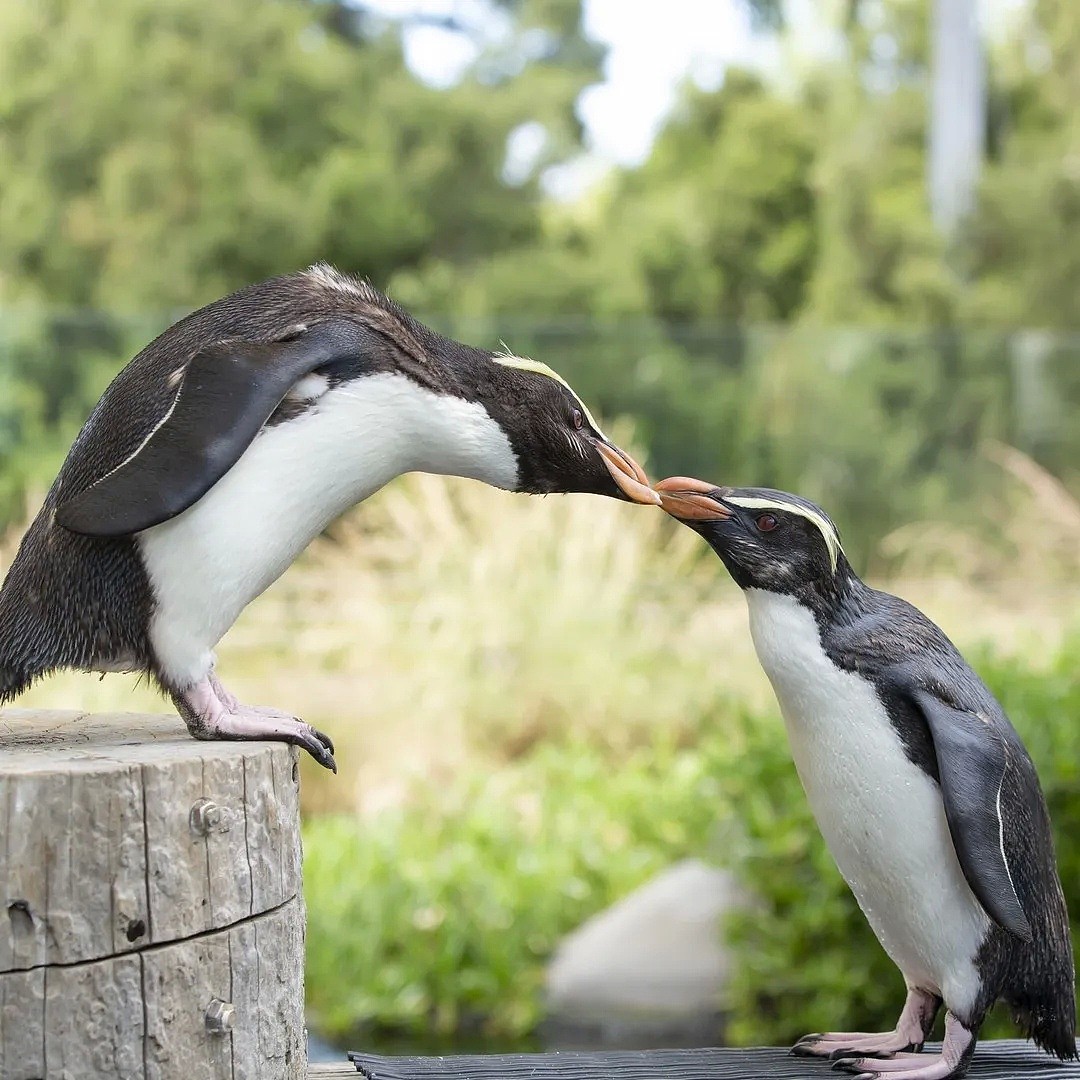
(523, 363)
(828, 533)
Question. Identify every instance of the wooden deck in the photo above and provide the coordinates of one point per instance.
(1006, 1059)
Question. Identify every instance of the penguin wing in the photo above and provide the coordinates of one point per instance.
(228, 392)
(972, 761)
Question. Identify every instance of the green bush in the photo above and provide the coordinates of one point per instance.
(439, 916)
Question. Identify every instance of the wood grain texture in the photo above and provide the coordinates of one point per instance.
(123, 919)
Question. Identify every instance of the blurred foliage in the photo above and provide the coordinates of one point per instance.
(156, 153)
(451, 905)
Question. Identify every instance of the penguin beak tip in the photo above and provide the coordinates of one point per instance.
(690, 499)
(630, 478)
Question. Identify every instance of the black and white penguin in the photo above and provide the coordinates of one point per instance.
(925, 795)
(236, 437)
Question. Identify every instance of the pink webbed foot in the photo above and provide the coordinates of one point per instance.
(911, 1031)
(952, 1062)
(211, 712)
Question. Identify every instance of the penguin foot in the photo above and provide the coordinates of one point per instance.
(839, 1044)
(952, 1062)
(912, 1029)
(208, 716)
(226, 697)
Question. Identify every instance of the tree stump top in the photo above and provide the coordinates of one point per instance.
(48, 740)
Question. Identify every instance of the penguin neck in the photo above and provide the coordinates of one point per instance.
(791, 629)
(391, 424)
(838, 599)
(454, 436)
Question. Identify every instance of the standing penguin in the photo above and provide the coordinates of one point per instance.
(235, 438)
(925, 795)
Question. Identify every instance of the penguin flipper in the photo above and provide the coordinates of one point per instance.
(228, 392)
(972, 762)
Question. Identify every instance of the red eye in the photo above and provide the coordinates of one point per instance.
(577, 418)
(766, 523)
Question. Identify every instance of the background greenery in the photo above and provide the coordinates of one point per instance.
(559, 699)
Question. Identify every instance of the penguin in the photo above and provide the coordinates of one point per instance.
(236, 437)
(924, 793)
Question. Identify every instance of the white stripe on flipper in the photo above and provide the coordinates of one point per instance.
(828, 533)
(523, 363)
(142, 446)
(1001, 833)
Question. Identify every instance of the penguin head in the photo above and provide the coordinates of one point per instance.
(558, 444)
(767, 539)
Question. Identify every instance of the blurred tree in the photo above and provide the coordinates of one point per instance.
(718, 223)
(723, 211)
(1025, 267)
(161, 152)
(881, 258)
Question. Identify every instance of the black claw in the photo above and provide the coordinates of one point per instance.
(314, 743)
(323, 756)
(803, 1049)
(319, 746)
(849, 1064)
(324, 739)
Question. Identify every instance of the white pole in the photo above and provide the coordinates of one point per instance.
(957, 112)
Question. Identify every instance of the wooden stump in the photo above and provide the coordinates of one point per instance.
(153, 918)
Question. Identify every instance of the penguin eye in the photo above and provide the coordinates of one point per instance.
(577, 418)
(766, 523)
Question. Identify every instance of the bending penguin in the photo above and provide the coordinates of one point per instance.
(925, 795)
(229, 443)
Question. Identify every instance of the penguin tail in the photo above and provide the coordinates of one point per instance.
(16, 674)
(1054, 1032)
(14, 678)
(1050, 1022)
(13, 682)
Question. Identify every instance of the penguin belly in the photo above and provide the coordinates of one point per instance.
(208, 563)
(882, 817)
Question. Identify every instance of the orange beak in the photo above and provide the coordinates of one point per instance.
(688, 499)
(628, 475)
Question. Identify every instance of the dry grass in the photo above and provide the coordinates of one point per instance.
(447, 623)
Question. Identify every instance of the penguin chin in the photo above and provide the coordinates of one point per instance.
(593, 467)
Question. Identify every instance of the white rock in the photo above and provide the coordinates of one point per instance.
(657, 953)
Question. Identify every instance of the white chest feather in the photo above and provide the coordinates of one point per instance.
(208, 563)
(881, 816)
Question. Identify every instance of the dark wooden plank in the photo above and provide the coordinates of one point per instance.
(994, 1060)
